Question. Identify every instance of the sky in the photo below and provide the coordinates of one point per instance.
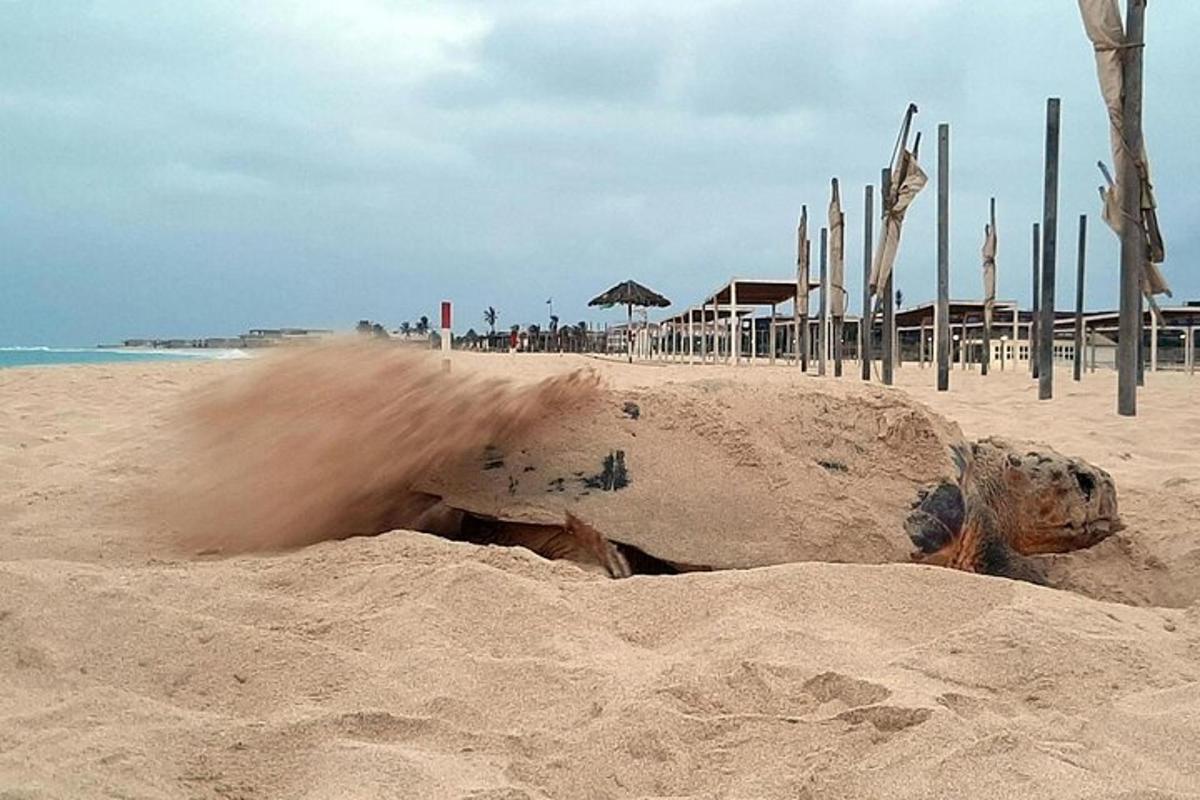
(201, 168)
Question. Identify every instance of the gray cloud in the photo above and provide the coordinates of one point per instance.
(206, 167)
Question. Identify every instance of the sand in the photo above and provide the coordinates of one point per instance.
(403, 665)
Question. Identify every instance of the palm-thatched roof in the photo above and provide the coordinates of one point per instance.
(630, 293)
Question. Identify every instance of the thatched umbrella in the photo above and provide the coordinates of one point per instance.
(630, 294)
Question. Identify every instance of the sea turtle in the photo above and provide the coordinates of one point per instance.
(1009, 502)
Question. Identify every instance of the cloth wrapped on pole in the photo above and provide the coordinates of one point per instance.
(802, 289)
(1102, 21)
(802, 265)
(837, 255)
(989, 270)
(905, 188)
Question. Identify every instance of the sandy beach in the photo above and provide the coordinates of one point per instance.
(816, 663)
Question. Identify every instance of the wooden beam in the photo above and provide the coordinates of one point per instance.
(1049, 250)
(942, 315)
(1079, 284)
(1133, 241)
(867, 322)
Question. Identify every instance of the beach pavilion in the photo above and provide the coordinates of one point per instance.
(717, 327)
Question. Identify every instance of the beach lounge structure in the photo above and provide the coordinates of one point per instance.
(728, 325)
(1169, 345)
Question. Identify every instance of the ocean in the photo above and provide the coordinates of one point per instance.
(57, 356)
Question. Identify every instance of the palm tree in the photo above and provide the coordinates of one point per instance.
(423, 326)
(490, 316)
(406, 328)
(535, 336)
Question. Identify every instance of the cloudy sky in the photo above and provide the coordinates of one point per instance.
(208, 166)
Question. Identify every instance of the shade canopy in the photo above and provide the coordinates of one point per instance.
(837, 254)
(1102, 21)
(756, 292)
(630, 293)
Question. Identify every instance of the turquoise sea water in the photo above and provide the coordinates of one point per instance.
(51, 356)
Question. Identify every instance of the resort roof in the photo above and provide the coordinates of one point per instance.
(758, 291)
(1176, 316)
(922, 313)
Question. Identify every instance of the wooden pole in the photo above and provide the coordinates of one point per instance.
(823, 309)
(1141, 341)
(771, 334)
(1133, 242)
(1049, 251)
(1153, 342)
(1191, 355)
(986, 358)
(693, 349)
(942, 317)
(804, 333)
(867, 322)
(1037, 292)
(886, 292)
(735, 326)
(1082, 253)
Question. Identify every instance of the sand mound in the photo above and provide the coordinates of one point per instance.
(404, 665)
(327, 442)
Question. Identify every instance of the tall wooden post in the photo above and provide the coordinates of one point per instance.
(1153, 342)
(691, 334)
(1037, 305)
(886, 293)
(1191, 356)
(867, 321)
(1049, 251)
(771, 334)
(985, 360)
(804, 317)
(735, 326)
(1133, 241)
(1141, 341)
(942, 318)
(823, 311)
(1079, 353)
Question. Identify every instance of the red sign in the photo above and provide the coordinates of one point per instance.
(445, 314)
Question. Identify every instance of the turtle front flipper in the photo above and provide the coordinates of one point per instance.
(937, 518)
